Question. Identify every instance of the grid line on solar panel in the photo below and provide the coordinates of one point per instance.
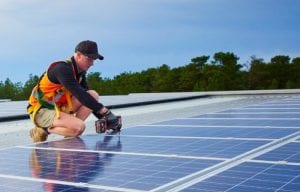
(273, 162)
(222, 126)
(263, 110)
(200, 138)
(223, 166)
(193, 148)
(263, 113)
(69, 185)
(288, 153)
(212, 132)
(133, 183)
(231, 122)
(178, 167)
(98, 170)
(254, 113)
(251, 116)
(241, 118)
(127, 153)
(252, 177)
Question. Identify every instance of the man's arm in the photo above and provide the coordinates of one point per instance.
(62, 73)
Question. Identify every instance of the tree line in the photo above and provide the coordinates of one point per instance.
(221, 73)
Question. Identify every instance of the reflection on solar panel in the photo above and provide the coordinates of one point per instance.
(233, 150)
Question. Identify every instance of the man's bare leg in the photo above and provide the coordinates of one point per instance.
(70, 125)
(67, 125)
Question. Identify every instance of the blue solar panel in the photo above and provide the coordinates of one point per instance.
(185, 131)
(220, 148)
(131, 172)
(233, 122)
(261, 177)
(214, 151)
(23, 185)
(252, 115)
(263, 110)
(289, 152)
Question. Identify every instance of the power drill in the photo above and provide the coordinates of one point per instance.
(102, 125)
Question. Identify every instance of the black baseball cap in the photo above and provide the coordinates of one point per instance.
(89, 48)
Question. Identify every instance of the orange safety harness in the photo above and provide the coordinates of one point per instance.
(50, 95)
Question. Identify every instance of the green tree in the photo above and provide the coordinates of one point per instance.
(294, 74)
(174, 76)
(29, 84)
(162, 79)
(223, 73)
(279, 69)
(191, 74)
(274, 84)
(2, 91)
(10, 90)
(200, 61)
(147, 79)
(94, 81)
(216, 78)
(230, 69)
(259, 74)
(188, 77)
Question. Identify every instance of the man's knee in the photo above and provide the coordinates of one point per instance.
(79, 129)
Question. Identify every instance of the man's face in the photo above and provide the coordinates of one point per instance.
(84, 62)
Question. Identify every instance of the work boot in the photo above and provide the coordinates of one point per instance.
(38, 134)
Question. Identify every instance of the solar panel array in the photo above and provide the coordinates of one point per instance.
(254, 148)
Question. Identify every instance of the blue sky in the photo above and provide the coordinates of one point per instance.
(134, 35)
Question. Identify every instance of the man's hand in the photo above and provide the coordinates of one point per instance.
(113, 122)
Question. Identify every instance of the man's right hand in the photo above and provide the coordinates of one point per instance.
(113, 122)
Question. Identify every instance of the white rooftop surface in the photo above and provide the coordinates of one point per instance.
(11, 108)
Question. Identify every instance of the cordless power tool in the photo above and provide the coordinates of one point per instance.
(103, 125)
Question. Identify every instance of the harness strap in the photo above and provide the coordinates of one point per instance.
(41, 102)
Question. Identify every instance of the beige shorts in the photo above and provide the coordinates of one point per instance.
(44, 118)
